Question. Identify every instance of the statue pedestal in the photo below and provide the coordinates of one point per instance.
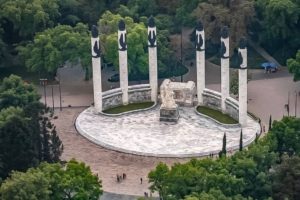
(169, 114)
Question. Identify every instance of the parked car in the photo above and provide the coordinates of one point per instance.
(114, 78)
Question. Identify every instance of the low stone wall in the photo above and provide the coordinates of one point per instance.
(232, 108)
(212, 99)
(136, 94)
(139, 93)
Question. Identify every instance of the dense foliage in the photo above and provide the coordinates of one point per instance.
(294, 66)
(53, 47)
(39, 26)
(27, 136)
(74, 181)
(260, 172)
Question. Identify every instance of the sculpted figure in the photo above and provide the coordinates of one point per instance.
(199, 39)
(168, 97)
(122, 38)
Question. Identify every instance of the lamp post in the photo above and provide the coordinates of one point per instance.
(43, 82)
(296, 99)
(181, 77)
(59, 87)
(52, 97)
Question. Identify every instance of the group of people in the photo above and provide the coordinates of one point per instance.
(121, 177)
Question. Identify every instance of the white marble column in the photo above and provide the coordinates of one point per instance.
(200, 61)
(224, 66)
(96, 63)
(123, 68)
(152, 50)
(242, 55)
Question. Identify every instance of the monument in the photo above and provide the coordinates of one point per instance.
(152, 49)
(123, 61)
(168, 109)
(242, 55)
(96, 63)
(195, 134)
(200, 60)
(224, 66)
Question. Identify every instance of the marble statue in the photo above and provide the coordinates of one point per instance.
(167, 97)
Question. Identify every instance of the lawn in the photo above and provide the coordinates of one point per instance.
(129, 107)
(217, 115)
(254, 59)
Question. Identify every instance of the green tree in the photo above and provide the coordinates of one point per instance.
(286, 179)
(183, 12)
(294, 66)
(51, 145)
(26, 134)
(212, 195)
(32, 185)
(136, 42)
(241, 141)
(287, 135)
(214, 14)
(74, 11)
(223, 151)
(53, 47)
(137, 45)
(29, 16)
(144, 7)
(279, 27)
(270, 123)
(158, 179)
(17, 149)
(15, 92)
(73, 181)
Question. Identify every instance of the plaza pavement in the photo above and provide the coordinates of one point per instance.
(267, 94)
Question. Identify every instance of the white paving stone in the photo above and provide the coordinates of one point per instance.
(142, 133)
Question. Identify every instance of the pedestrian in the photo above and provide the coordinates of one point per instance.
(124, 176)
(141, 180)
(118, 179)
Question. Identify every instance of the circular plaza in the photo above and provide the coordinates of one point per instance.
(142, 133)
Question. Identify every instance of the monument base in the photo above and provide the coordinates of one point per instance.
(169, 114)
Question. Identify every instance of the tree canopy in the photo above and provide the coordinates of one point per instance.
(27, 136)
(29, 16)
(260, 172)
(294, 66)
(74, 181)
(15, 92)
(51, 48)
(136, 42)
(236, 15)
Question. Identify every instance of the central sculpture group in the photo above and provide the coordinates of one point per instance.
(169, 108)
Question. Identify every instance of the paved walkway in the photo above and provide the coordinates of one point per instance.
(267, 95)
(112, 196)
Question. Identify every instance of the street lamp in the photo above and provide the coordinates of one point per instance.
(181, 77)
(296, 99)
(44, 82)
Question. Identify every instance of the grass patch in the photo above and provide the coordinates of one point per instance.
(217, 115)
(129, 107)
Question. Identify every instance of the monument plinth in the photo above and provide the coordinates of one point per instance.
(169, 109)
